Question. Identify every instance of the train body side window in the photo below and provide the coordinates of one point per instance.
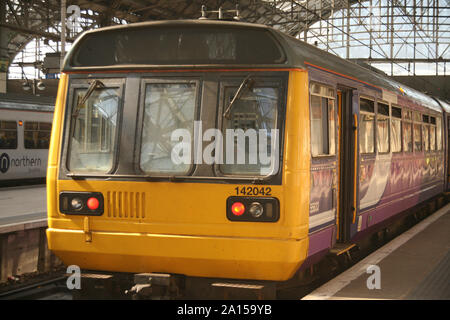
(8, 134)
(396, 129)
(432, 133)
(322, 120)
(37, 135)
(426, 133)
(367, 126)
(438, 134)
(383, 128)
(407, 131)
(417, 131)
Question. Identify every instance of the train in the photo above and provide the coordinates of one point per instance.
(25, 128)
(229, 151)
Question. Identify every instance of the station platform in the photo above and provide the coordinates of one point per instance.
(413, 266)
(23, 224)
(22, 205)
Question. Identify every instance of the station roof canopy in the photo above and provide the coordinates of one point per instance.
(26, 20)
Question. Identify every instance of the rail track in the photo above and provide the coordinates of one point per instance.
(49, 289)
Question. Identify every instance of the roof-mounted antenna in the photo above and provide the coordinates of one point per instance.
(220, 13)
(203, 17)
(237, 17)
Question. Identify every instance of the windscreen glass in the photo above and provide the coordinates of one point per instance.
(169, 108)
(251, 137)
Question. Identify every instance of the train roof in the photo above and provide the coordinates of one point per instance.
(140, 46)
(27, 102)
(304, 54)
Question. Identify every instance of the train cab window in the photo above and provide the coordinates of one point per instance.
(323, 120)
(432, 133)
(438, 134)
(396, 129)
(407, 131)
(167, 107)
(8, 134)
(426, 132)
(417, 131)
(37, 135)
(383, 128)
(367, 126)
(93, 130)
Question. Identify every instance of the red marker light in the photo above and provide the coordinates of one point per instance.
(238, 209)
(93, 203)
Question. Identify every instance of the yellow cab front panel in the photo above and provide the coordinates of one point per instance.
(182, 227)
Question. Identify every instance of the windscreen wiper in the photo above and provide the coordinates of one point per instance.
(249, 82)
(94, 85)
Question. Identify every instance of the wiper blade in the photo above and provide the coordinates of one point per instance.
(94, 84)
(246, 82)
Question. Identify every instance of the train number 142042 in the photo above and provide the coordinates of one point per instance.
(253, 191)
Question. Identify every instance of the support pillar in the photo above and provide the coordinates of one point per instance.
(4, 56)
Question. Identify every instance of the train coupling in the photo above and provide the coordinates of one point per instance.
(155, 286)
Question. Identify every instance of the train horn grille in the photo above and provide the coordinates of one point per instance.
(125, 205)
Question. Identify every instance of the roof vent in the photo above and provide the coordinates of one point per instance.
(220, 13)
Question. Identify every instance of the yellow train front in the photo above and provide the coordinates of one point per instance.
(181, 148)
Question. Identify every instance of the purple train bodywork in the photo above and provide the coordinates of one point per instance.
(388, 183)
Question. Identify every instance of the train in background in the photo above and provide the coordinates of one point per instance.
(355, 149)
(25, 128)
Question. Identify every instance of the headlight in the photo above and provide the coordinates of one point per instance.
(76, 203)
(256, 209)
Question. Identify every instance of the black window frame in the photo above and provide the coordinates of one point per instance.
(426, 127)
(144, 81)
(328, 132)
(83, 83)
(374, 114)
(400, 119)
(417, 120)
(260, 81)
(384, 114)
(130, 115)
(72, 62)
(407, 118)
(432, 124)
(439, 121)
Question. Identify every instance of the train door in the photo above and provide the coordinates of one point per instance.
(333, 132)
(323, 196)
(347, 159)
